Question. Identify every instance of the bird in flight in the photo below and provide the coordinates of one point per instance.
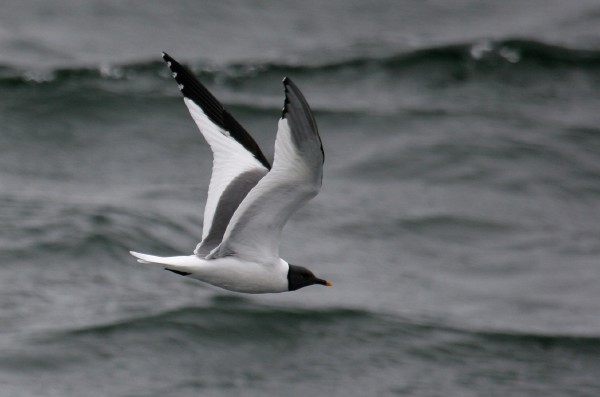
(249, 201)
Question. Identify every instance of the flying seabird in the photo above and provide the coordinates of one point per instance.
(249, 201)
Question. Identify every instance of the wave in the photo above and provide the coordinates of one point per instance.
(441, 227)
(225, 318)
(490, 53)
(77, 229)
(228, 318)
(229, 325)
(498, 161)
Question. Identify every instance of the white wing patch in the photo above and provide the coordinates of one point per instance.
(254, 231)
(230, 160)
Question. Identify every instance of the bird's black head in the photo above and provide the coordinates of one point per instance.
(299, 277)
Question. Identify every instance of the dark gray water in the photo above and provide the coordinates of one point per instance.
(459, 216)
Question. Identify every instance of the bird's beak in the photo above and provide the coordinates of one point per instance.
(324, 282)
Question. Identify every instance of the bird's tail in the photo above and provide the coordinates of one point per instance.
(169, 262)
(145, 258)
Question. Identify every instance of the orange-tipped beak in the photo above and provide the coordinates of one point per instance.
(329, 283)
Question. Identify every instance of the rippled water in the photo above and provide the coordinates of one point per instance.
(458, 217)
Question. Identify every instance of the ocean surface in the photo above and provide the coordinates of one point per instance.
(459, 218)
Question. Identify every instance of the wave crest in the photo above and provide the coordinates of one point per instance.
(491, 53)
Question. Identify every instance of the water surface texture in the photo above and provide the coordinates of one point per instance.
(459, 218)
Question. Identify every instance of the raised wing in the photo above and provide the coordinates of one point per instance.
(255, 229)
(238, 162)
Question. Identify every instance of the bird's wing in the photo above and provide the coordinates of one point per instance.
(238, 163)
(255, 229)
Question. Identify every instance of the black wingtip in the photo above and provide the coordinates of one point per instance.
(286, 81)
(288, 85)
(192, 89)
(166, 57)
(300, 106)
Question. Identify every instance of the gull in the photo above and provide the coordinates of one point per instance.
(249, 201)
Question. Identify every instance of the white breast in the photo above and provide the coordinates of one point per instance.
(237, 275)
